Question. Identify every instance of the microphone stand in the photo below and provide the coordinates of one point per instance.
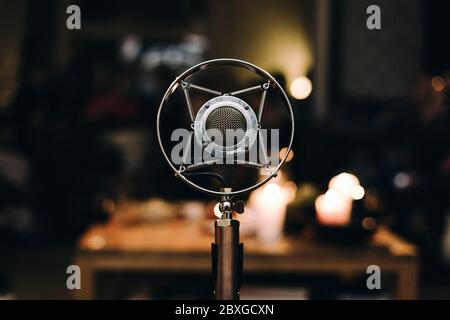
(227, 253)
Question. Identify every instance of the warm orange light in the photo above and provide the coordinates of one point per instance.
(96, 242)
(283, 154)
(291, 189)
(332, 208)
(269, 205)
(347, 184)
(108, 205)
(369, 223)
(438, 83)
(301, 88)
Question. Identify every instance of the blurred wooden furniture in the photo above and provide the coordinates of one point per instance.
(182, 246)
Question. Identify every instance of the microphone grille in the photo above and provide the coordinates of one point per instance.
(226, 118)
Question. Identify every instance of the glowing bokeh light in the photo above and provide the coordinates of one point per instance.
(301, 88)
(291, 190)
(131, 46)
(438, 83)
(272, 190)
(283, 154)
(402, 180)
(357, 193)
(344, 183)
(96, 242)
(369, 223)
(217, 212)
(332, 208)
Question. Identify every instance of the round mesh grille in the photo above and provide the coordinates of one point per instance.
(227, 118)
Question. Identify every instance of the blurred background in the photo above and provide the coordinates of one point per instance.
(82, 179)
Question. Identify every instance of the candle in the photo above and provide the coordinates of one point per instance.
(333, 208)
(269, 205)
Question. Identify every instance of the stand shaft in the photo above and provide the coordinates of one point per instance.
(227, 256)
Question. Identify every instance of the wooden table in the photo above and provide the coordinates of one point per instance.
(183, 246)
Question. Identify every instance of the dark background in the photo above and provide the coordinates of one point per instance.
(378, 109)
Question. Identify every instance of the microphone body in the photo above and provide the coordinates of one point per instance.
(227, 259)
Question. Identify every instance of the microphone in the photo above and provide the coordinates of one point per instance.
(226, 127)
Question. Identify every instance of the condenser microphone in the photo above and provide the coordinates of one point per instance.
(225, 126)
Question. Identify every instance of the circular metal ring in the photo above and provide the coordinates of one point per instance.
(224, 62)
